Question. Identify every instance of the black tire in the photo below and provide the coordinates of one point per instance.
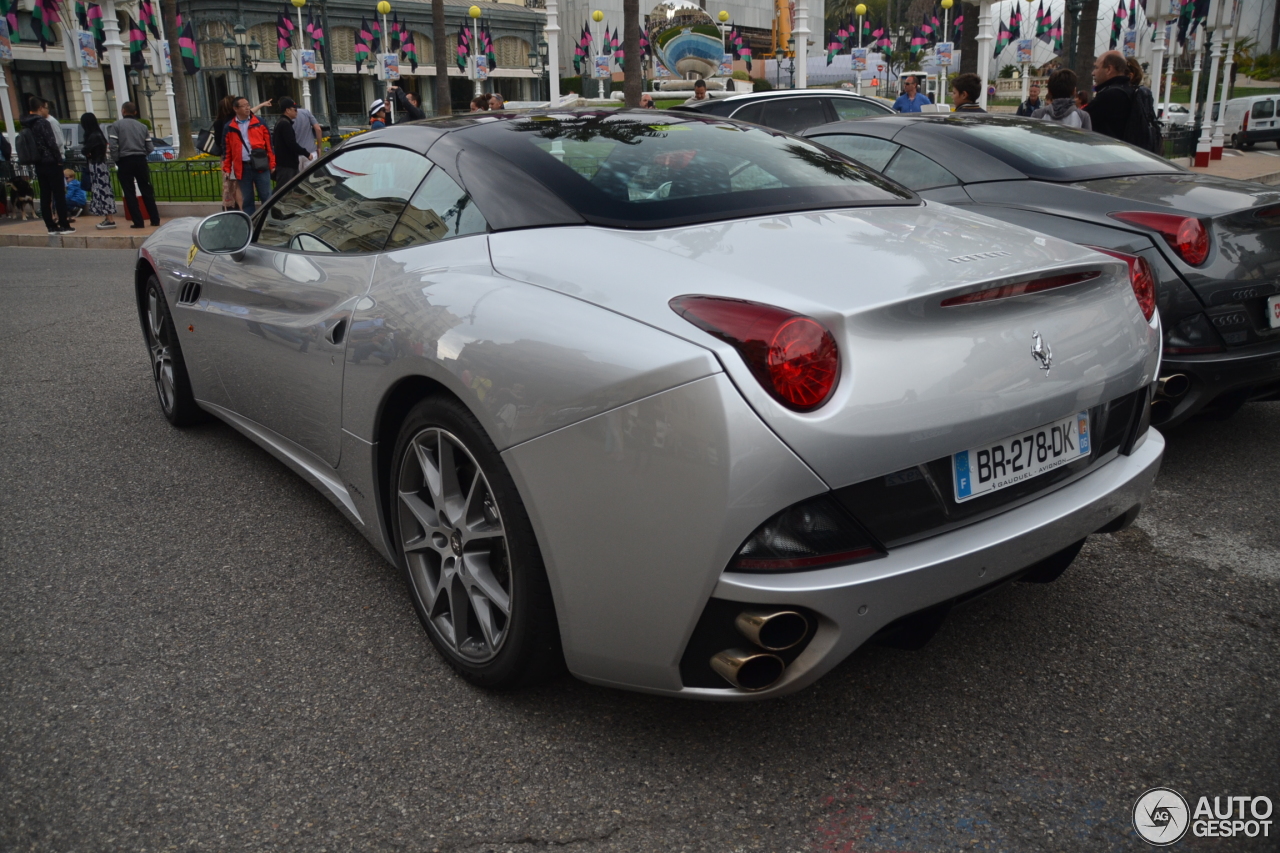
(1051, 568)
(168, 368)
(462, 560)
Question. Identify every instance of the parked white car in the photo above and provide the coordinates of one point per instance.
(1248, 121)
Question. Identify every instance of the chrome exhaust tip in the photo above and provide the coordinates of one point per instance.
(776, 631)
(1161, 411)
(1173, 386)
(748, 670)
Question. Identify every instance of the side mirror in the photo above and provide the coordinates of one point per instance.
(225, 233)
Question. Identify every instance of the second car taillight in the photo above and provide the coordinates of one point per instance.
(1185, 234)
(794, 357)
(1141, 279)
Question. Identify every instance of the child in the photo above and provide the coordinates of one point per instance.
(75, 195)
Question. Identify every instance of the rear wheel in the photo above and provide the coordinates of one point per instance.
(473, 567)
(168, 369)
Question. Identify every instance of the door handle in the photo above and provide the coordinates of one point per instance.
(337, 332)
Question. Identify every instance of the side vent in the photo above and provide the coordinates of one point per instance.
(189, 294)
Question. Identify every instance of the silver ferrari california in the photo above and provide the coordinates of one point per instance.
(689, 406)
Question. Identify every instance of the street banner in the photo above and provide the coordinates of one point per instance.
(482, 68)
(304, 63)
(859, 58)
(389, 67)
(660, 72)
(602, 68)
(726, 65)
(6, 46)
(1130, 43)
(88, 53)
(1025, 51)
(942, 53)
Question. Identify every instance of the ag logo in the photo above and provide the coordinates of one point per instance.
(1161, 817)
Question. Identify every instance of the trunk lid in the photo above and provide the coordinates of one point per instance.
(918, 381)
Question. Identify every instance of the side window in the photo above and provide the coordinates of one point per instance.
(349, 204)
(751, 112)
(918, 172)
(790, 115)
(1264, 109)
(849, 108)
(873, 153)
(440, 209)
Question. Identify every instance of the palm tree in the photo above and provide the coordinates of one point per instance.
(443, 98)
(631, 81)
(181, 133)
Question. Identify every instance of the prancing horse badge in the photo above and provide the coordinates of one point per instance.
(1041, 352)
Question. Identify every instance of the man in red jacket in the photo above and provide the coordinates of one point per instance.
(247, 154)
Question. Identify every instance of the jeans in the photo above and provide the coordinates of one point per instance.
(249, 178)
(53, 196)
(131, 169)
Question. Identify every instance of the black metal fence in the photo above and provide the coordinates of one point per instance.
(1181, 141)
(183, 180)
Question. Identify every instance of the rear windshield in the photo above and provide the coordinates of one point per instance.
(651, 170)
(1049, 151)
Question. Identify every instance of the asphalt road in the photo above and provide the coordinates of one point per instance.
(198, 653)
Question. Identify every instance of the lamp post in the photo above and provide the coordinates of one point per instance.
(942, 70)
(985, 39)
(1232, 21)
(791, 64)
(302, 40)
(861, 10)
(1026, 66)
(241, 53)
(553, 55)
(801, 43)
(384, 9)
(1074, 8)
(722, 18)
(145, 79)
(1155, 14)
(1213, 23)
(536, 68)
(778, 55)
(596, 17)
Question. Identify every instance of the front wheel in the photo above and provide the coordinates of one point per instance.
(468, 551)
(168, 368)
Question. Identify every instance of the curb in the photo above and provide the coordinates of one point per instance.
(75, 241)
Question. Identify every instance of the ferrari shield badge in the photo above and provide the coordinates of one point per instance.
(191, 254)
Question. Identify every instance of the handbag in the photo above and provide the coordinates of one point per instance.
(260, 159)
(208, 143)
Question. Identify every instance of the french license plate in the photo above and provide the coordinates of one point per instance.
(1273, 311)
(1020, 457)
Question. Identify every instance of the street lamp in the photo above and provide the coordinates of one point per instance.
(791, 65)
(145, 78)
(779, 55)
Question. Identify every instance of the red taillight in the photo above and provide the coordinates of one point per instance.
(1007, 290)
(1141, 279)
(1185, 234)
(1244, 124)
(794, 357)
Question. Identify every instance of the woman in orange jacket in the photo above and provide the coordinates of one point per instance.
(247, 155)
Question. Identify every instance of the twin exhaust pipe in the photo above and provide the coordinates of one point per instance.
(772, 631)
(1169, 389)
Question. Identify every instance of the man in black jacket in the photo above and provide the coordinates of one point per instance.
(406, 103)
(1109, 109)
(285, 143)
(48, 165)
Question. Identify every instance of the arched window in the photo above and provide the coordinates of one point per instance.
(512, 52)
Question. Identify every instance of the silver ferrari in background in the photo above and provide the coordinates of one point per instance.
(686, 405)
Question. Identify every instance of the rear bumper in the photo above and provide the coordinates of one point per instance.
(854, 602)
(1254, 371)
(1270, 134)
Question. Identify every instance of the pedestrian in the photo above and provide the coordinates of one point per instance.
(287, 150)
(130, 145)
(377, 114)
(480, 104)
(1062, 102)
(307, 132)
(911, 100)
(699, 93)
(75, 194)
(38, 147)
(1113, 96)
(249, 158)
(1032, 103)
(102, 199)
(1082, 98)
(497, 102)
(965, 89)
(646, 101)
(407, 103)
(230, 186)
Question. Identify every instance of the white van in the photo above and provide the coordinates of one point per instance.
(1250, 120)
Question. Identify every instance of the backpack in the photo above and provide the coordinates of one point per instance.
(28, 148)
(1141, 128)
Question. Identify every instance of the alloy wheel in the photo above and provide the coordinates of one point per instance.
(455, 544)
(161, 353)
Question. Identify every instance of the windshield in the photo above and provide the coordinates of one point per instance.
(645, 169)
(1049, 151)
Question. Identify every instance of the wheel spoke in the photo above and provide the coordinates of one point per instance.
(484, 582)
(423, 514)
(481, 606)
(430, 471)
(450, 489)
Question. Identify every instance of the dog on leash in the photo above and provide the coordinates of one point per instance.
(22, 198)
